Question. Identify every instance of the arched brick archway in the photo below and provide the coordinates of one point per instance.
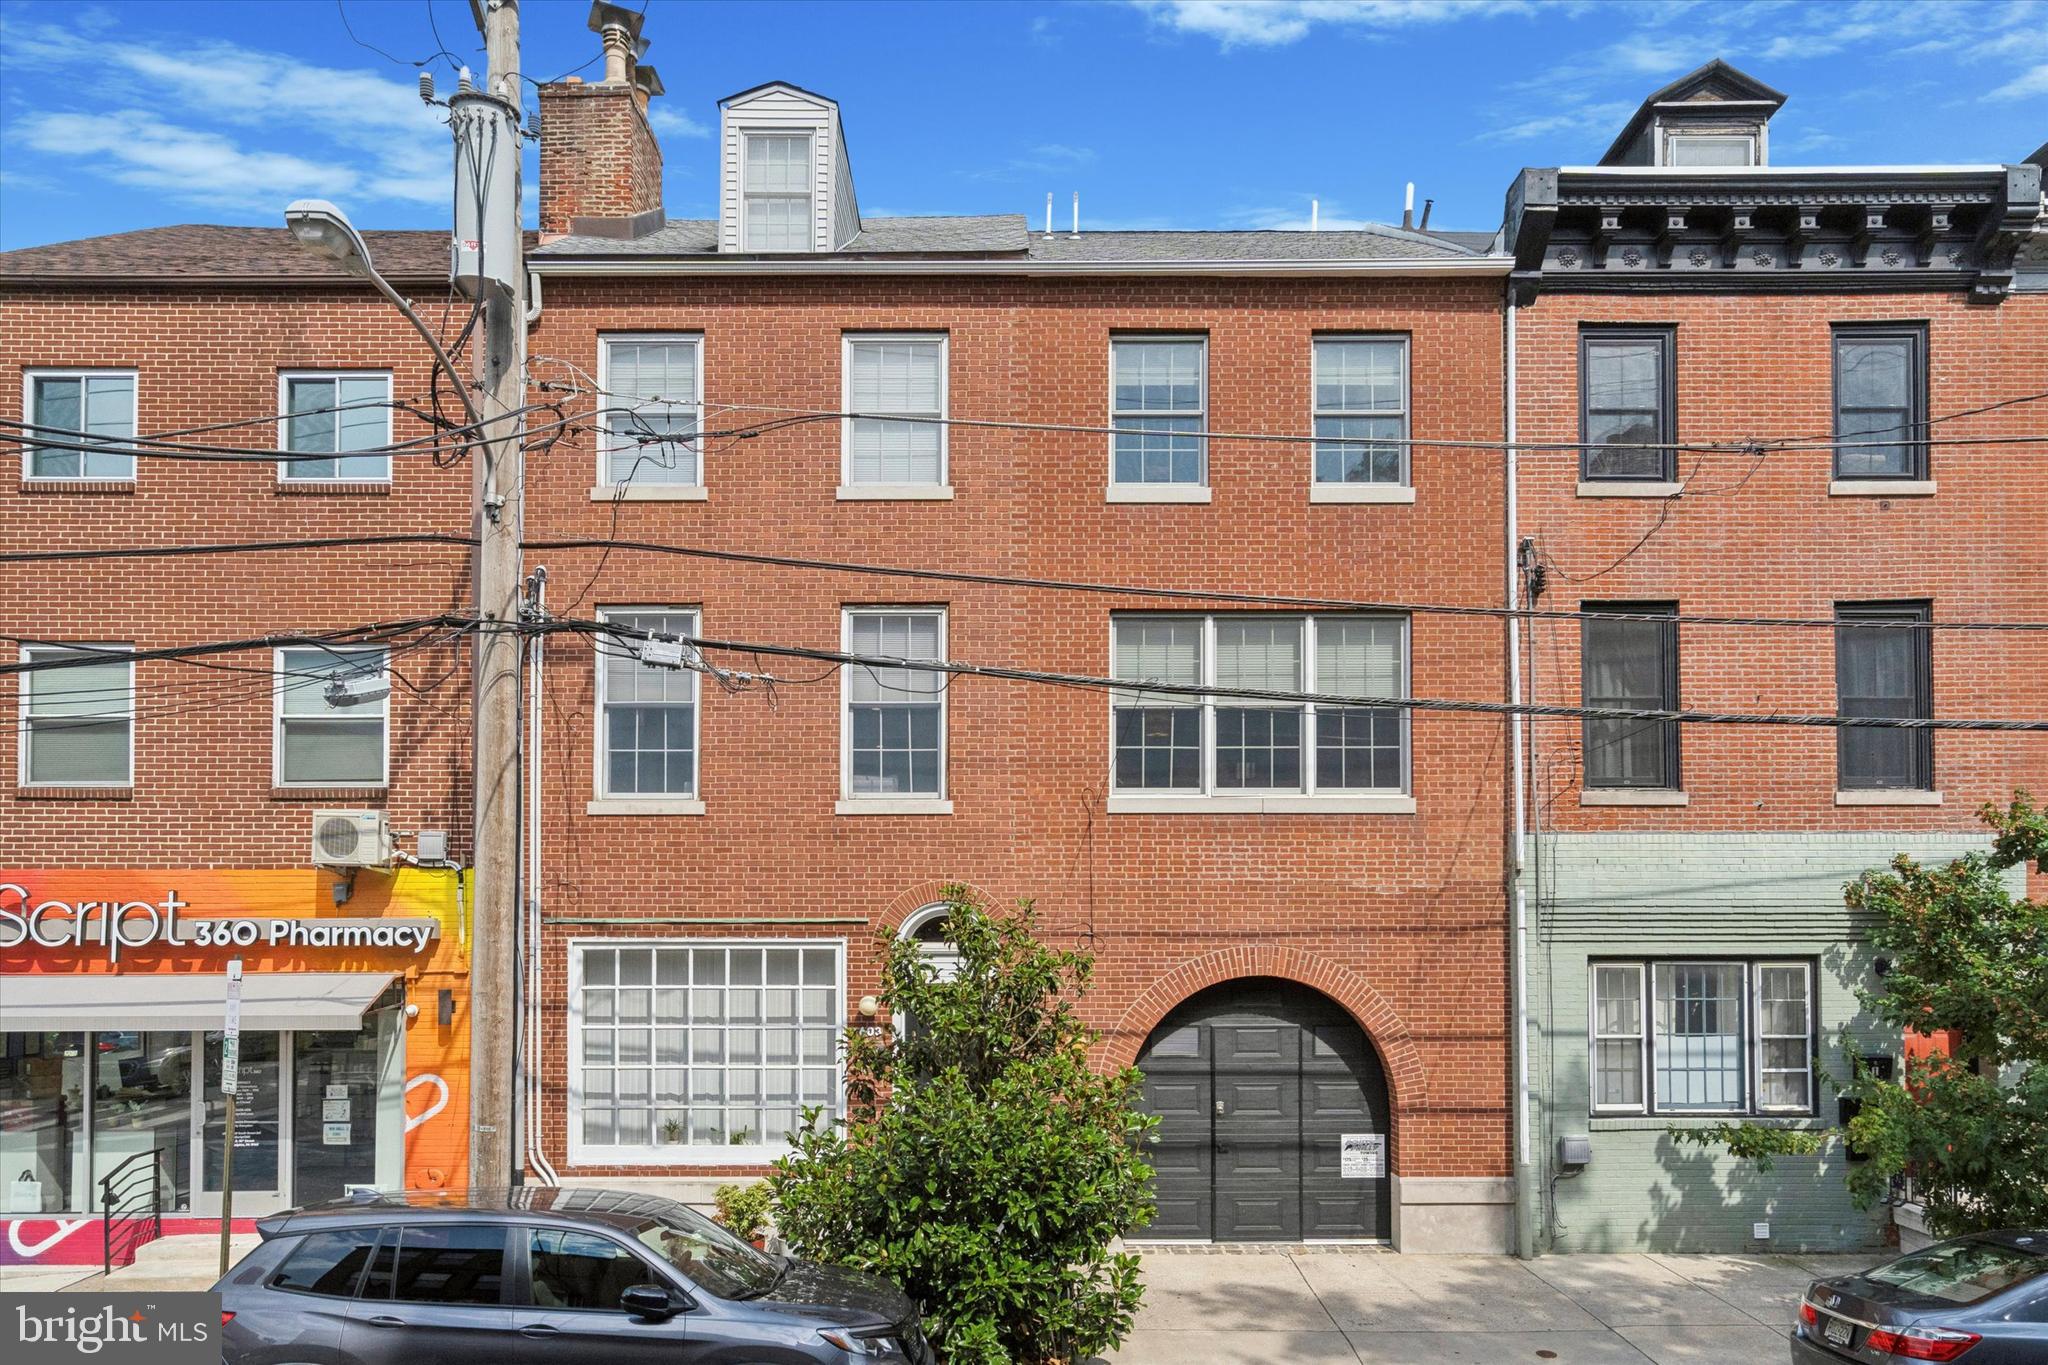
(1384, 1028)
(912, 899)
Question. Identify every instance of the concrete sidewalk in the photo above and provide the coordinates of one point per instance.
(1355, 1306)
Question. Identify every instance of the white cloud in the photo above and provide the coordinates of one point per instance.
(139, 149)
(1045, 159)
(1275, 23)
(670, 121)
(2028, 85)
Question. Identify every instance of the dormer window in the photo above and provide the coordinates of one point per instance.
(779, 186)
(1709, 149)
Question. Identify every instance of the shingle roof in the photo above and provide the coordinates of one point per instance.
(914, 236)
(207, 251)
(1374, 243)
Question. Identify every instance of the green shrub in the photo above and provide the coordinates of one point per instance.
(743, 1209)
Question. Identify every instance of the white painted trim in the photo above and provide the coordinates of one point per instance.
(1594, 1037)
(810, 136)
(848, 489)
(836, 264)
(21, 764)
(1158, 492)
(624, 805)
(1632, 796)
(895, 492)
(893, 805)
(653, 492)
(650, 492)
(1624, 488)
(1387, 493)
(849, 803)
(287, 471)
(1350, 492)
(80, 372)
(277, 691)
(1881, 796)
(1288, 804)
(599, 796)
(1881, 488)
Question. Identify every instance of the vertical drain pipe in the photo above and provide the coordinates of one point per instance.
(1525, 1166)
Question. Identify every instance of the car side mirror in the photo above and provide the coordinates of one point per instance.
(653, 1301)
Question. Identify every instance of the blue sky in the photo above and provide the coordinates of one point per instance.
(1162, 113)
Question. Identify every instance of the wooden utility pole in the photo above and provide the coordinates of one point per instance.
(499, 466)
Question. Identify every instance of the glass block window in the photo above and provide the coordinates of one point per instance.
(329, 735)
(895, 717)
(1629, 665)
(692, 1047)
(333, 414)
(1627, 404)
(654, 402)
(1168, 741)
(78, 720)
(94, 410)
(647, 713)
(1361, 394)
(1784, 1030)
(779, 182)
(896, 374)
(1618, 1036)
(1883, 671)
(1696, 1036)
(1881, 394)
(1158, 406)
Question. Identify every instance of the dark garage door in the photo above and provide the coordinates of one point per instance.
(1256, 1084)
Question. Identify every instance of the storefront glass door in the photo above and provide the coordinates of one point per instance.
(335, 1089)
(260, 1132)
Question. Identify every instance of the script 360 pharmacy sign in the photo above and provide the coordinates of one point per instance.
(132, 924)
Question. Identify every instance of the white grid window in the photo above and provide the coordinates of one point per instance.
(334, 414)
(895, 717)
(332, 717)
(704, 1051)
(1361, 386)
(1716, 1037)
(654, 402)
(92, 409)
(1158, 403)
(1173, 742)
(778, 175)
(647, 714)
(78, 721)
(896, 374)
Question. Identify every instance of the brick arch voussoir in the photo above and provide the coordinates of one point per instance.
(914, 898)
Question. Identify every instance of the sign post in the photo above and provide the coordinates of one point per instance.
(230, 1081)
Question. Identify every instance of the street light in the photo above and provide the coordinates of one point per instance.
(325, 230)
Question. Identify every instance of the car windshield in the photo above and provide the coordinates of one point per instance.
(1960, 1272)
(712, 1258)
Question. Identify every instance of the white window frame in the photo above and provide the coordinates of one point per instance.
(1227, 800)
(602, 800)
(602, 488)
(288, 470)
(849, 488)
(810, 195)
(1336, 490)
(1673, 136)
(850, 803)
(27, 725)
(277, 719)
(1750, 1042)
(683, 1154)
(1641, 1036)
(81, 373)
(1198, 491)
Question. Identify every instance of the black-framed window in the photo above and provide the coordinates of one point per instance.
(1702, 1035)
(1628, 403)
(1881, 393)
(1631, 665)
(1883, 671)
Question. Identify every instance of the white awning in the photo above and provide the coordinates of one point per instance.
(70, 1001)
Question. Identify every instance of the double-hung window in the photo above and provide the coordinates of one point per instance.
(1158, 407)
(78, 716)
(1685, 1036)
(904, 377)
(333, 716)
(895, 731)
(778, 188)
(1176, 743)
(1883, 671)
(1630, 665)
(330, 415)
(1627, 404)
(704, 1051)
(647, 713)
(1361, 410)
(1881, 394)
(89, 416)
(654, 388)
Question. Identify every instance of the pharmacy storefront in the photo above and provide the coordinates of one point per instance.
(354, 1042)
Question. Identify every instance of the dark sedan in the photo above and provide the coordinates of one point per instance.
(1981, 1299)
(545, 1276)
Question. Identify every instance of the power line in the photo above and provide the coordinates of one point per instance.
(82, 656)
(42, 437)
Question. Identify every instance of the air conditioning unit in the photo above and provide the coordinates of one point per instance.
(351, 838)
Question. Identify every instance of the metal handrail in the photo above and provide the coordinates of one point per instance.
(134, 1199)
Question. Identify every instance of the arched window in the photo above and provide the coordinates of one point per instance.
(927, 928)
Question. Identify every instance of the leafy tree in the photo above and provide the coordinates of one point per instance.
(1969, 1126)
(983, 1164)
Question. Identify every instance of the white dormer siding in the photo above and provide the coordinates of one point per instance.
(784, 181)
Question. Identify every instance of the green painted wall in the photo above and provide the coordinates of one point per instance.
(1743, 895)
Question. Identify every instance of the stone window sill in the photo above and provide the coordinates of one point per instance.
(1639, 1123)
(1361, 492)
(33, 485)
(893, 805)
(1630, 796)
(1157, 492)
(1625, 488)
(329, 793)
(627, 805)
(895, 492)
(1881, 488)
(1132, 804)
(74, 793)
(650, 492)
(313, 488)
(1882, 797)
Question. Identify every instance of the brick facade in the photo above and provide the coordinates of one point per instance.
(599, 158)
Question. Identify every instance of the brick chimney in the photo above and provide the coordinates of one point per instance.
(600, 166)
